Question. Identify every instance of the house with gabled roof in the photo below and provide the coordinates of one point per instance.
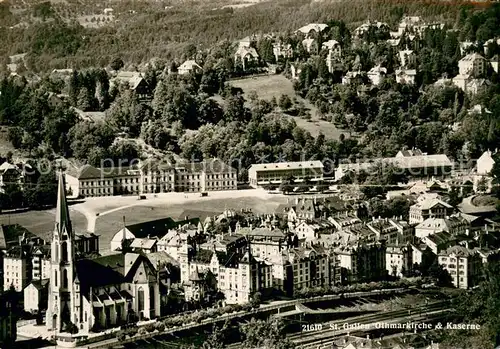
(452, 225)
(312, 28)
(189, 66)
(134, 81)
(246, 55)
(429, 208)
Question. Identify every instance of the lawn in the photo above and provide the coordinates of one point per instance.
(41, 223)
(270, 86)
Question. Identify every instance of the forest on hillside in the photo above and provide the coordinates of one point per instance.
(180, 31)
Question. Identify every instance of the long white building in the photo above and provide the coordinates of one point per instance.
(275, 173)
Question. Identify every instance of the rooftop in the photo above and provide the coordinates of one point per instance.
(316, 164)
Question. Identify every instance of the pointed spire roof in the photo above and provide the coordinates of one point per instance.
(63, 221)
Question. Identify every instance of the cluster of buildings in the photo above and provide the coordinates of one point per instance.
(472, 73)
(413, 163)
(307, 242)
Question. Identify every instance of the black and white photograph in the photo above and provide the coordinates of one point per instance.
(249, 174)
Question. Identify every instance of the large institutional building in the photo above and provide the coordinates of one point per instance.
(275, 173)
(151, 176)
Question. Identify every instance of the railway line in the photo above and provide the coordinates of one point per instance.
(326, 332)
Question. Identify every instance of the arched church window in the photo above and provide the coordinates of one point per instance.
(140, 296)
(64, 251)
(65, 278)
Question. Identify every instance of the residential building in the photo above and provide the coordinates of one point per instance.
(11, 174)
(489, 42)
(312, 29)
(133, 81)
(463, 265)
(407, 59)
(36, 295)
(377, 74)
(246, 55)
(238, 276)
(275, 173)
(495, 63)
(485, 163)
(333, 47)
(350, 76)
(362, 261)
(310, 45)
(375, 26)
(466, 47)
(175, 238)
(17, 268)
(406, 76)
(312, 230)
(40, 261)
(429, 208)
(331, 58)
(265, 243)
(453, 225)
(438, 241)
(95, 293)
(307, 266)
(399, 259)
(408, 22)
(189, 66)
(282, 50)
(393, 231)
(473, 64)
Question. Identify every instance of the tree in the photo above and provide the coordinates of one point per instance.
(482, 185)
(218, 337)
(84, 100)
(285, 102)
(116, 63)
(270, 334)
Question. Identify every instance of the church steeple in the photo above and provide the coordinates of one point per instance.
(63, 221)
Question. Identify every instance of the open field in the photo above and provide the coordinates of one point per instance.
(270, 86)
(41, 223)
(112, 210)
(267, 87)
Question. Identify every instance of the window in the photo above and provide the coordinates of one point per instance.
(65, 278)
(64, 251)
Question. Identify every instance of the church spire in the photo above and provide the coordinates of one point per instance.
(63, 221)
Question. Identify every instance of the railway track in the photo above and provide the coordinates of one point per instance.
(330, 330)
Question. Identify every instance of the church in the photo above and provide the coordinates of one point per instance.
(92, 294)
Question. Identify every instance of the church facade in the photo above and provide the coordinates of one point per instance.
(103, 292)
